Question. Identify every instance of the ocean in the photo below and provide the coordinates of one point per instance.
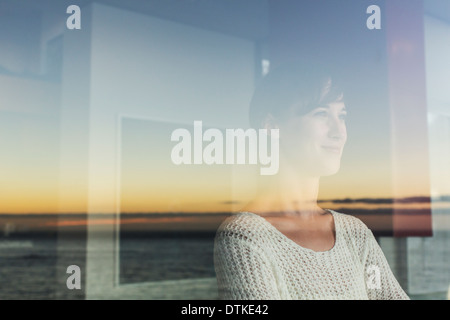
(28, 265)
(27, 268)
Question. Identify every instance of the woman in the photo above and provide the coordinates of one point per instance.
(283, 245)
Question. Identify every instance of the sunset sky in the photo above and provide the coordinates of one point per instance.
(99, 142)
(150, 182)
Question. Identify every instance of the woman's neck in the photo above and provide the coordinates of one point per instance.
(287, 193)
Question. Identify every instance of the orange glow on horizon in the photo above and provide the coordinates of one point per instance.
(233, 206)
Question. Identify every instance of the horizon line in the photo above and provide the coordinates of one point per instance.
(339, 201)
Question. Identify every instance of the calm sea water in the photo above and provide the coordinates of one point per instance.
(167, 258)
(27, 268)
(28, 265)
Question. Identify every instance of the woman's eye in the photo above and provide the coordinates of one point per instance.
(343, 116)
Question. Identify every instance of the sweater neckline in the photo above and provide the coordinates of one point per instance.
(295, 244)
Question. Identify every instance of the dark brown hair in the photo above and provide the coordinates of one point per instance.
(297, 85)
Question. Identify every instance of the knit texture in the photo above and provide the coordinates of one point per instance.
(254, 260)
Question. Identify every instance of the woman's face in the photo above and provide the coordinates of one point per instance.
(313, 142)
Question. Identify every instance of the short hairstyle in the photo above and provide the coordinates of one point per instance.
(302, 86)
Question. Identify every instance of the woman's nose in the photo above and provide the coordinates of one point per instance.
(337, 129)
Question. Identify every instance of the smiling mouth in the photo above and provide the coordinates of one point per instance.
(336, 150)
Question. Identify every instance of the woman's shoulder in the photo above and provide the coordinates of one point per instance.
(242, 221)
(354, 232)
(242, 225)
(351, 224)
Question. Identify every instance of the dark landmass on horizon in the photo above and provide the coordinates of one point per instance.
(380, 221)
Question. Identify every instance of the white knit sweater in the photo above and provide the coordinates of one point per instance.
(254, 260)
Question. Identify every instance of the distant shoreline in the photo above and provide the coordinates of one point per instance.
(380, 221)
